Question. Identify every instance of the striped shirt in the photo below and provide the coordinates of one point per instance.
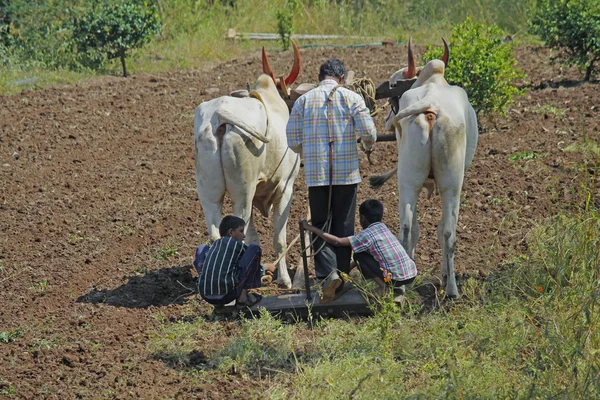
(307, 133)
(219, 274)
(381, 243)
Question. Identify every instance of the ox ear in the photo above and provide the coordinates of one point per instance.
(446, 56)
(266, 65)
(411, 70)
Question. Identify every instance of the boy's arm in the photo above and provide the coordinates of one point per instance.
(329, 238)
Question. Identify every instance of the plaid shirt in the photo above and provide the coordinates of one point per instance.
(307, 133)
(381, 243)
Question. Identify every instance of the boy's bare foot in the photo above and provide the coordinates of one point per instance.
(270, 268)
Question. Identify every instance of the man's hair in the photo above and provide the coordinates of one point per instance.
(332, 68)
(372, 210)
(230, 222)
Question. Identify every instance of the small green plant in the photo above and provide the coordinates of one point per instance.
(41, 285)
(482, 65)
(548, 109)
(524, 156)
(113, 30)
(6, 387)
(166, 252)
(74, 238)
(285, 22)
(7, 337)
(572, 27)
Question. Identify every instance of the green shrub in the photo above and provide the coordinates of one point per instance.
(113, 30)
(32, 33)
(573, 27)
(482, 65)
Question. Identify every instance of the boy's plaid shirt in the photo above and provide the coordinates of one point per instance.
(381, 243)
(307, 133)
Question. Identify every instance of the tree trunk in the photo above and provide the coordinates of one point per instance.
(123, 64)
(588, 71)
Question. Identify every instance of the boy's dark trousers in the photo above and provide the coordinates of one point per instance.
(249, 275)
(343, 207)
(370, 268)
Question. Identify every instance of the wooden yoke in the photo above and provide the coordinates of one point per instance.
(384, 91)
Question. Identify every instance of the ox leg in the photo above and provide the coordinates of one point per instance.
(211, 199)
(210, 182)
(408, 215)
(242, 207)
(281, 212)
(252, 236)
(447, 234)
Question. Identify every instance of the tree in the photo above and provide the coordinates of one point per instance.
(113, 30)
(482, 65)
(573, 27)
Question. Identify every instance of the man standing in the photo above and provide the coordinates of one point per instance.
(322, 127)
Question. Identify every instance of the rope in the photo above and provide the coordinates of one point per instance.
(366, 88)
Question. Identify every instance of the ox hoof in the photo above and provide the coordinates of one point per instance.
(452, 293)
(284, 283)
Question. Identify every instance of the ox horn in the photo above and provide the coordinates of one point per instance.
(446, 56)
(267, 65)
(411, 70)
(291, 78)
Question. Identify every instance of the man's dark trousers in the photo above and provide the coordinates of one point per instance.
(343, 206)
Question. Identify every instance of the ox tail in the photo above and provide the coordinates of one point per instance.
(417, 108)
(250, 130)
(377, 182)
(229, 117)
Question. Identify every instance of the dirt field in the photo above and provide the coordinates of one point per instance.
(99, 214)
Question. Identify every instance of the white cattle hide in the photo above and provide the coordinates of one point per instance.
(241, 149)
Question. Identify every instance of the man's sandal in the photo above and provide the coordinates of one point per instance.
(251, 300)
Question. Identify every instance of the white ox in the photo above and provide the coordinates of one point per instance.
(241, 148)
(436, 129)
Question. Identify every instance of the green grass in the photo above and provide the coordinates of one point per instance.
(530, 330)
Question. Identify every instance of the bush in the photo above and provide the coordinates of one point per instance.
(113, 30)
(32, 34)
(573, 27)
(482, 65)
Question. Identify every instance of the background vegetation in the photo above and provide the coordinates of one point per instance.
(482, 64)
(573, 28)
(36, 36)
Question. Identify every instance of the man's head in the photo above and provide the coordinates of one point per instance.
(333, 69)
(370, 211)
(234, 227)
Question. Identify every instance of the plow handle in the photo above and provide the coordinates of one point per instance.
(304, 262)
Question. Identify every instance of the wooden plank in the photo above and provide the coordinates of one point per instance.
(384, 91)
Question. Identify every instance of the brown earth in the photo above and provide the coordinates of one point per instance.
(98, 191)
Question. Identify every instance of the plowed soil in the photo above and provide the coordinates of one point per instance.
(99, 215)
